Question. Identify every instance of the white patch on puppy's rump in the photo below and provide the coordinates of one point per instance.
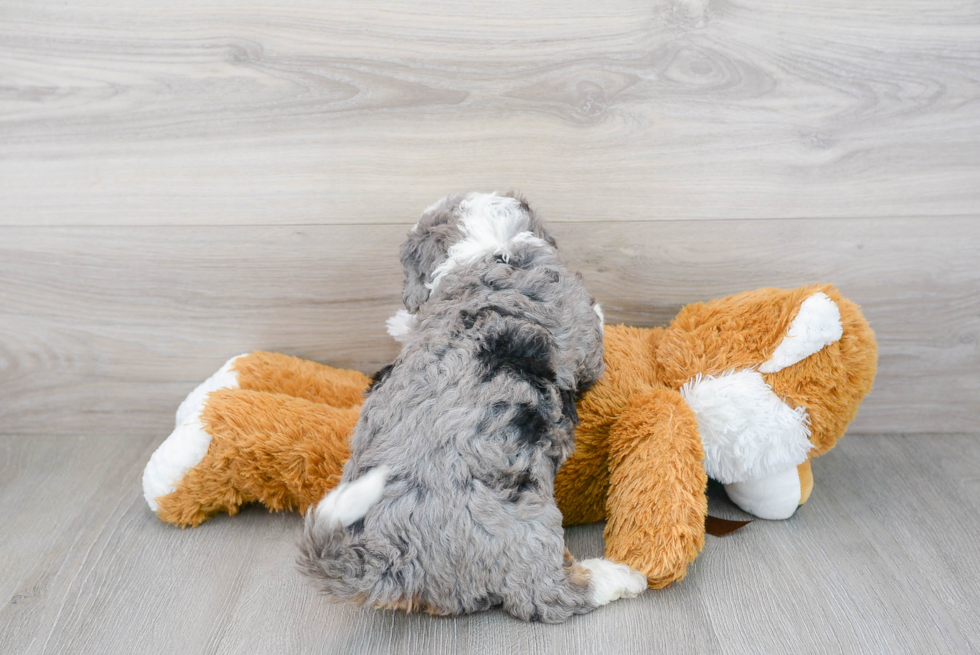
(350, 501)
(612, 581)
(188, 443)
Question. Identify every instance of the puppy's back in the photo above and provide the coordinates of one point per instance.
(469, 427)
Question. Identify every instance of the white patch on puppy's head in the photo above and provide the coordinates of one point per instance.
(489, 224)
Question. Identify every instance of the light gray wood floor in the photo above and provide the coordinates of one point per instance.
(882, 559)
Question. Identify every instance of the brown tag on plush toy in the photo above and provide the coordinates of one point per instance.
(717, 527)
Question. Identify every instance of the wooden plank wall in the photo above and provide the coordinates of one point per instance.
(181, 182)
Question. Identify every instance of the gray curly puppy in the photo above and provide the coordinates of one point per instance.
(446, 504)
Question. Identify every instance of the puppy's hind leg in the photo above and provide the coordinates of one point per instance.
(325, 553)
(581, 587)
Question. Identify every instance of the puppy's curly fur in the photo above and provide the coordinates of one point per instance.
(446, 504)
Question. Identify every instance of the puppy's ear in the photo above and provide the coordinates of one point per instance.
(579, 339)
(416, 264)
(427, 247)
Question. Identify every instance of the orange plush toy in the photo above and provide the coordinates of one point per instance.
(745, 389)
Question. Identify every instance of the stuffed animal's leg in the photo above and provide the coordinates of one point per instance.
(282, 451)
(776, 496)
(656, 505)
(277, 373)
(264, 371)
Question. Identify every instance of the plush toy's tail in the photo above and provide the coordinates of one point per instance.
(325, 550)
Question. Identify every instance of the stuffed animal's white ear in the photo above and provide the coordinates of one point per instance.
(816, 325)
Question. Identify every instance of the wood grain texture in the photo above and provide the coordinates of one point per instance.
(302, 112)
(182, 182)
(107, 329)
(879, 560)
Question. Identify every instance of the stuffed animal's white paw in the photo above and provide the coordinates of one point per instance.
(188, 443)
(774, 497)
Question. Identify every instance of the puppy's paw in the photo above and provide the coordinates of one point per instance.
(612, 581)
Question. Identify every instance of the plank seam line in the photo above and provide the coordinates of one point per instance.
(950, 217)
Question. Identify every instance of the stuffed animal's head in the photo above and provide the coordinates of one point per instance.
(774, 374)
